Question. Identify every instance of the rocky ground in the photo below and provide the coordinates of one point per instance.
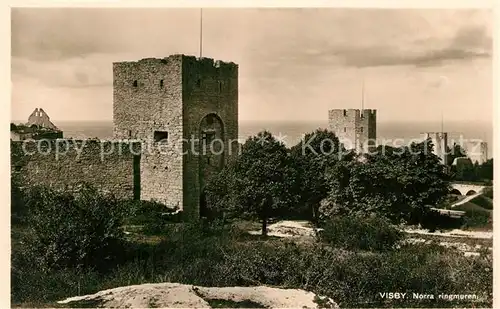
(174, 295)
(468, 242)
(288, 229)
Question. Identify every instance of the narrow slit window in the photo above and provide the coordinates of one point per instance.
(161, 83)
(134, 83)
(345, 129)
(345, 113)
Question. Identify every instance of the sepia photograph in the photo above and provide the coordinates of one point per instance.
(257, 157)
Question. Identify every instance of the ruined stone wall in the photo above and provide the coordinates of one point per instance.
(210, 87)
(40, 118)
(110, 166)
(147, 98)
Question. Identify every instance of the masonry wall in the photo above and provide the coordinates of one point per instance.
(343, 123)
(367, 129)
(210, 88)
(354, 127)
(111, 167)
(147, 98)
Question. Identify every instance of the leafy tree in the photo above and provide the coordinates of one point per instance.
(474, 172)
(256, 184)
(400, 184)
(486, 170)
(310, 158)
(456, 151)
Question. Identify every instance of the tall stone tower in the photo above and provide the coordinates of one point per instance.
(440, 143)
(177, 106)
(356, 129)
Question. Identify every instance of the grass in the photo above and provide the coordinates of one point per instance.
(483, 201)
(349, 277)
(476, 217)
(473, 208)
(487, 243)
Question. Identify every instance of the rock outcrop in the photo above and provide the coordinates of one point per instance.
(174, 295)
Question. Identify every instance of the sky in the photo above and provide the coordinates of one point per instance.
(294, 64)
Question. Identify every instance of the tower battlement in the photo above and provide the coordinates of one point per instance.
(202, 64)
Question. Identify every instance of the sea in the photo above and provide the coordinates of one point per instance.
(291, 132)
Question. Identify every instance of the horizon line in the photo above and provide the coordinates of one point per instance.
(16, 121)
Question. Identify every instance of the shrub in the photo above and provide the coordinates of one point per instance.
(357, 233)
(483, 201)
(433, 220)
(67, 230)
(18, 208)
(191, 255)
(151, 215)
(475, 216)
(488, 192)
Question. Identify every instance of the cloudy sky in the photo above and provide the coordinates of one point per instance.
(295, 64)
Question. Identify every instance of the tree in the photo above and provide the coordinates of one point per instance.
(399, 184)
(485, 170)
(310, 158)
(456, 151)
(255, 185)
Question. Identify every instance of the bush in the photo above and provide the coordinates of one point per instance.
(64, 230)
(488, 192)
(475, 216)
(483, 201)
(357, 233)
(202, 255)
(18, 210)
(433, 220)
(151, 215)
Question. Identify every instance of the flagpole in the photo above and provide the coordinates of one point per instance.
(201, 32)
(363, 95)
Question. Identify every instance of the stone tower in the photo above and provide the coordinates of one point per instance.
(177, 106)
(357, 129)
(440, 144)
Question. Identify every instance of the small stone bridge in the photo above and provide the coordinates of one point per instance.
(466, 189)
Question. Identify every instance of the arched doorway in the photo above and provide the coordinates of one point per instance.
(211, 153)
